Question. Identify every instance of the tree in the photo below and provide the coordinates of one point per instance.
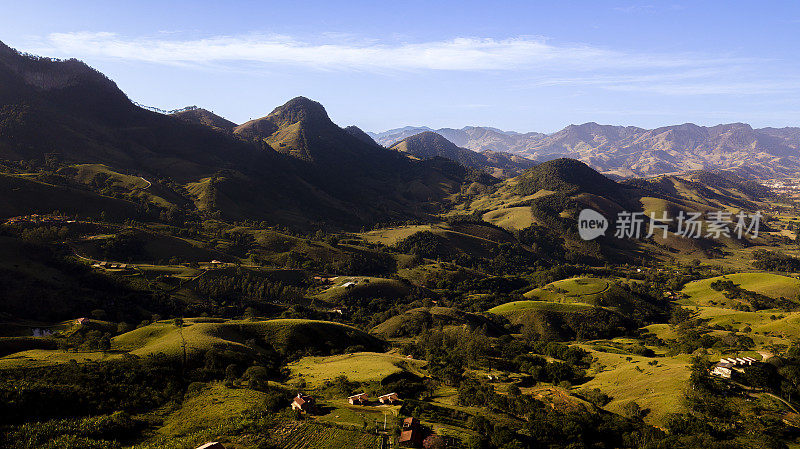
(230, 375)
(256, 377)
(433, 442)
(179, 323)
(632, 410)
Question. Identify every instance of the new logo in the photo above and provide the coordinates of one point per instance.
(591, 224)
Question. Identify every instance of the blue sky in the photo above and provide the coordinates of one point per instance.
(523, 66)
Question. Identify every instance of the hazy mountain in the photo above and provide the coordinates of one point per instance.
(428, 144)
(630, 151)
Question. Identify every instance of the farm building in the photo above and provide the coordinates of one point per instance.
(411, 433)
(389, 398)
(358, 399)
(211, 445)
(725, 367)
(303, 403)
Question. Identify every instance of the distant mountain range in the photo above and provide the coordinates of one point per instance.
(628, 151)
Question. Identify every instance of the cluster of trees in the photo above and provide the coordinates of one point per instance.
(775, 261)
(757, 301)
(243, 285)
(694, 333)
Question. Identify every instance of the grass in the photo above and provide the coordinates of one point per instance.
(359, 366)
(657, 388)
(86, 173)
(390, 236)
(316, 436)
(209, 407)
(772, 285)
(519, 217)
(766, 326)
(577, 289)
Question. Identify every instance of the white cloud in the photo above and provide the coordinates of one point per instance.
(722, 79)
(535, 61)
(459, 54)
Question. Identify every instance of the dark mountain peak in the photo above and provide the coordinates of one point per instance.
(359, 134)
(205, 117)
(564, 175)
(51, 74)
(430, 138)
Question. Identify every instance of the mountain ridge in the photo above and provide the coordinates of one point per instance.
(629, 151)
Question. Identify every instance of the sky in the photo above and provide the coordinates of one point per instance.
(521, 66)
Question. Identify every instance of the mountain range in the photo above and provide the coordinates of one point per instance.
(89, 144)
(292, 166)
(628, 151)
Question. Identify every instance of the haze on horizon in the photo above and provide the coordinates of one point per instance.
(521, 67)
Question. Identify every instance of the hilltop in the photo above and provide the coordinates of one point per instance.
(428, 144)
(205, 117)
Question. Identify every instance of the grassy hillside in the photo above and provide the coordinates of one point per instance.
(287, 335)
(347, 287)
(578, 289)
(201, 335)
(358, 367)
(656, 387)
(414, 321)
(23, 196)
(772, 285)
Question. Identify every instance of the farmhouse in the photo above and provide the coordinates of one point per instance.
(358, 399)
(411, 433)
(389, 398)
(303, 403)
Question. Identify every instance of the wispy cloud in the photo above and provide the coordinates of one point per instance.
(717, 80)
(536, 61)
(337, 53)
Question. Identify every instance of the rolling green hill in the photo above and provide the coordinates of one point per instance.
(414, 321)
(353, 287)
(771, 285)
(579, 289)
(202, 335)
